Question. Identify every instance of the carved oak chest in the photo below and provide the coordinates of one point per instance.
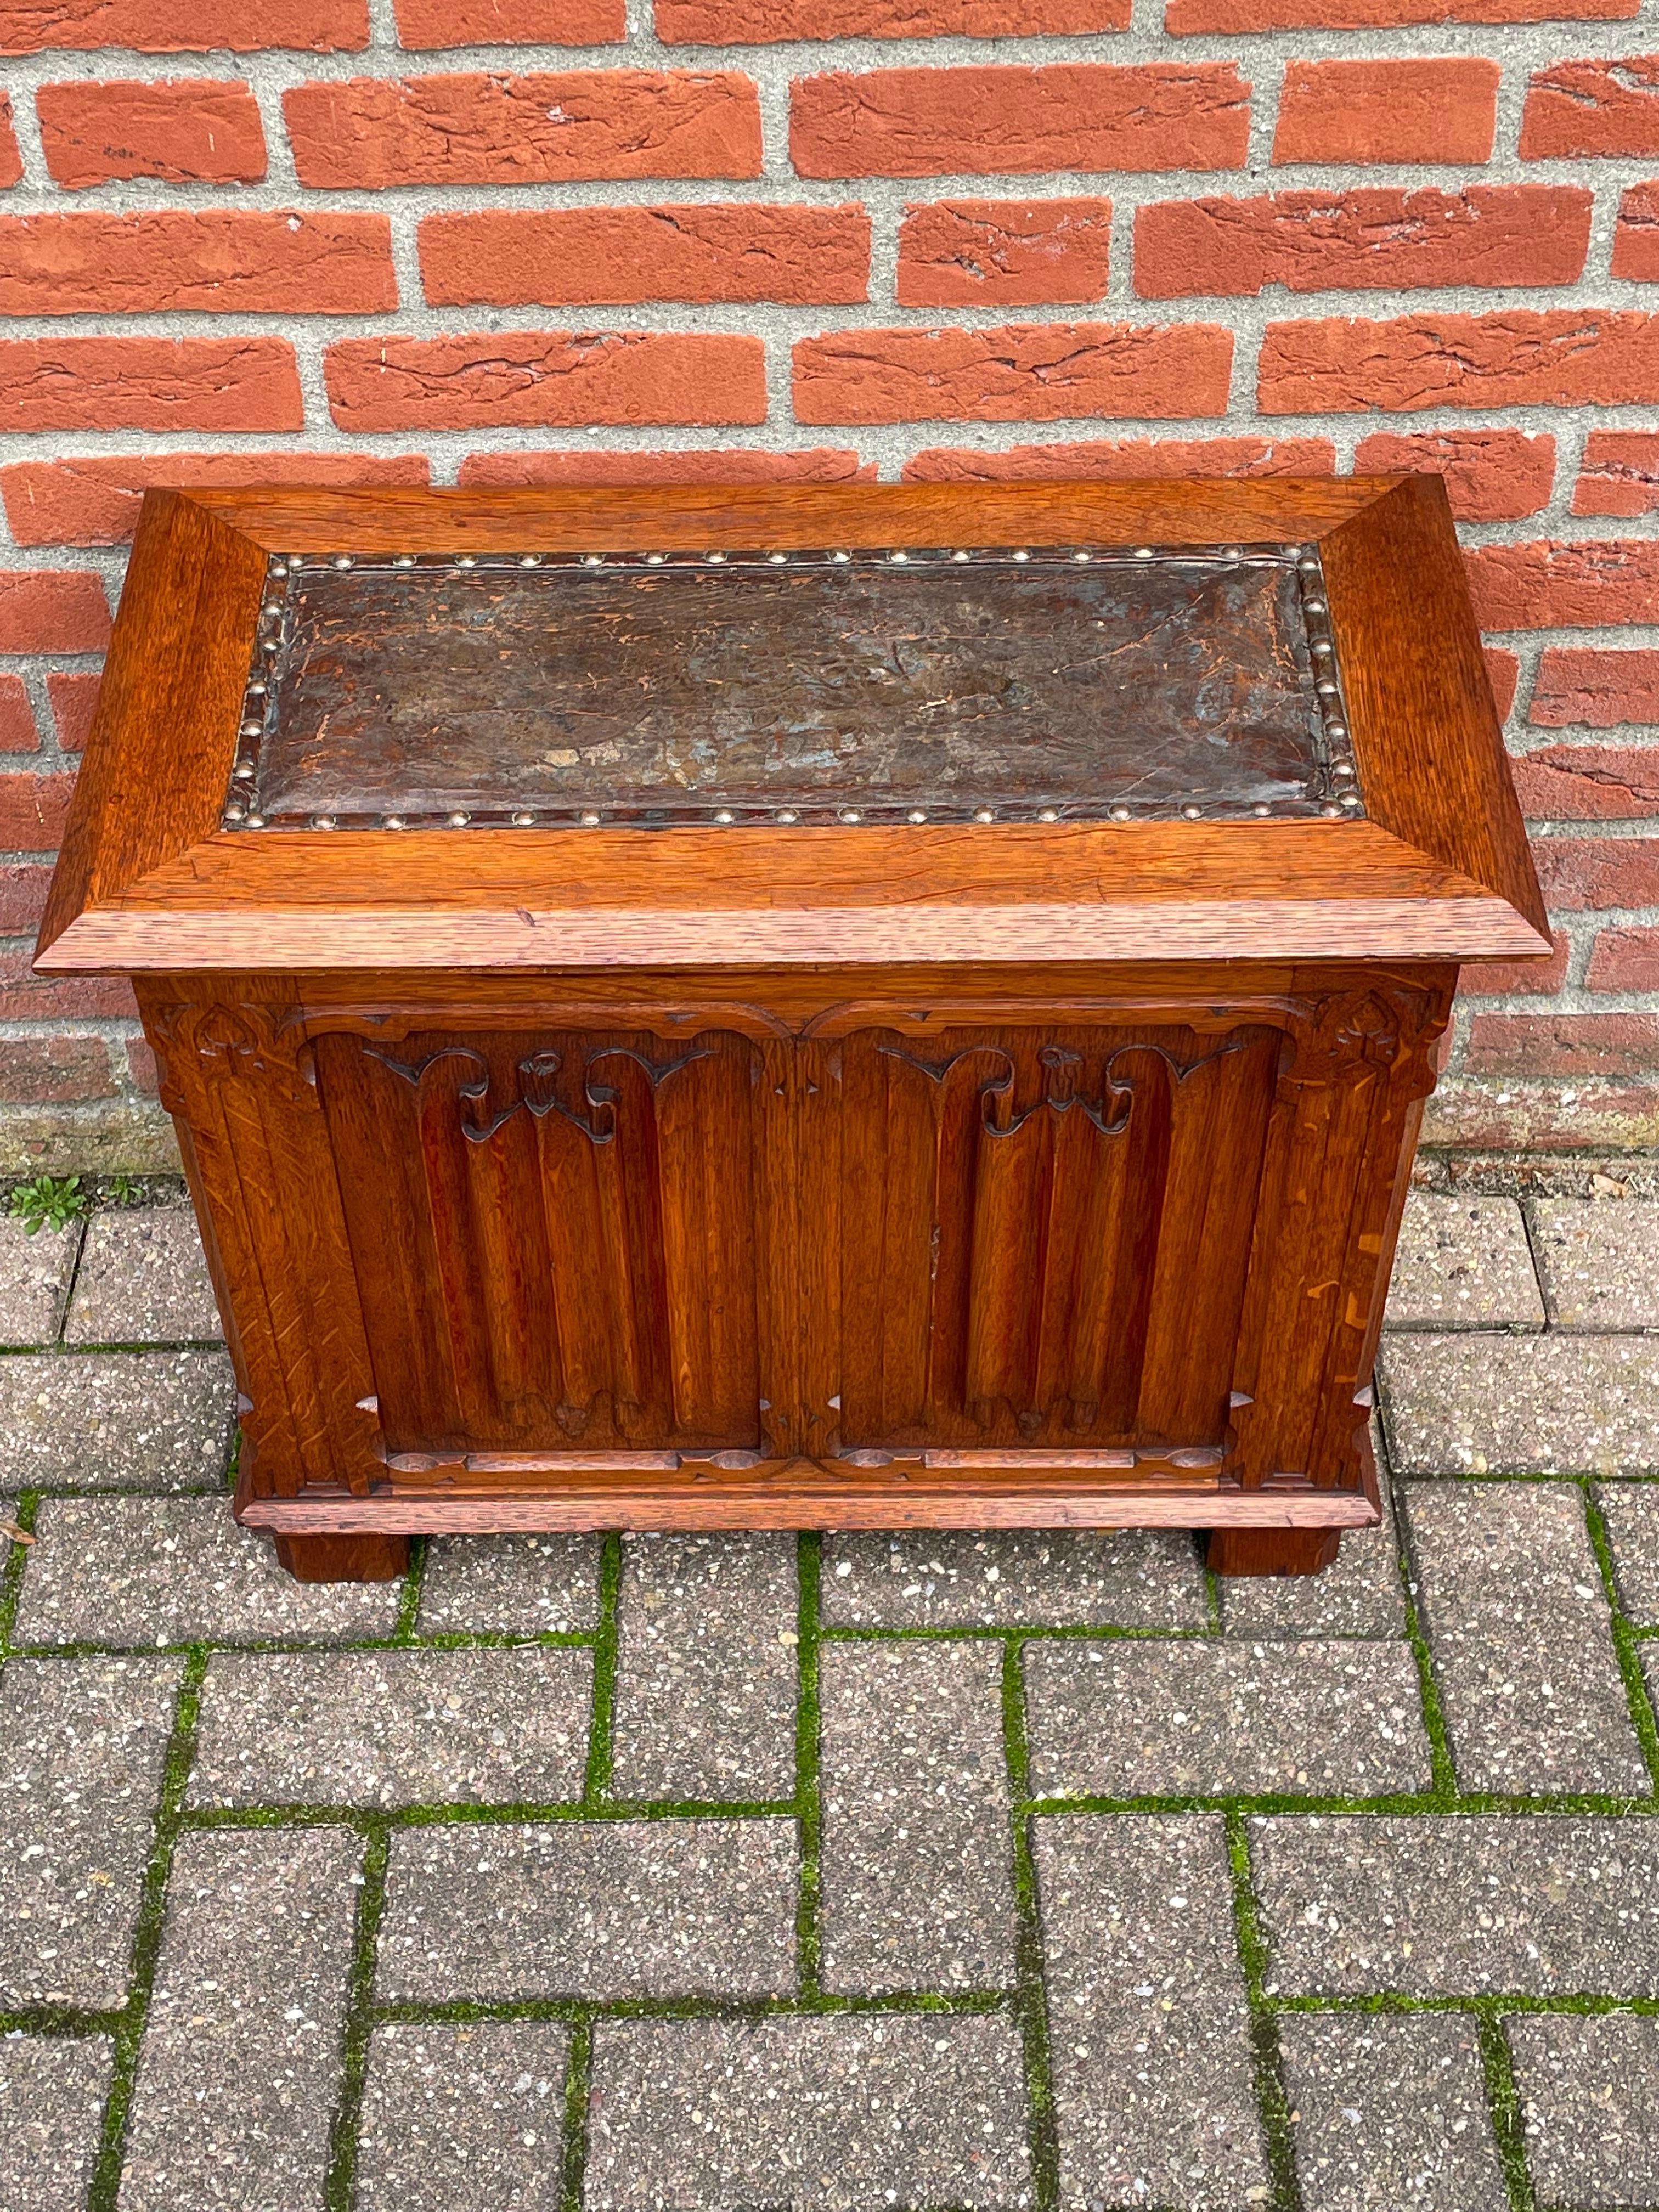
(798, 1007)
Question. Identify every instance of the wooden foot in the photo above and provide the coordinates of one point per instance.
(352, 1558)
(1273, 1551)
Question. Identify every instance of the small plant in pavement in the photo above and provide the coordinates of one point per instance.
(49, 1202)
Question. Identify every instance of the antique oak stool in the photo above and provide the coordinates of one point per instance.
(856, 1007)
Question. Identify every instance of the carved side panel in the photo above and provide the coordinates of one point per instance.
(1045, 1234)
(556, 1236)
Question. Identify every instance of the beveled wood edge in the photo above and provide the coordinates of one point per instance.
(128, 939)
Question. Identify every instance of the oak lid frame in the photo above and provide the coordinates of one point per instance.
(149, 881)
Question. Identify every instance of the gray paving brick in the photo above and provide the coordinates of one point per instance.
(394, 1728)
(840, 2115)
(1390, 2111)
(1600, 1261)
(605, 1909)
(1541, 1904)
(143, 1280)
(917, 1862)
(82, 1745)
(35, 1280)
(1009, 1578)
(240, 2068)
(1589, 2096)
(1518, 1623)
(510, 1585)
(1149, 2029)
(1360, 1595)
(1135, 1717)
(52, 2110)
(455, 2119)
(1631, 1512)
(167, 1570)
(707, 1679)
(101, 1420)
(1463, 1262)
(1522, 1405)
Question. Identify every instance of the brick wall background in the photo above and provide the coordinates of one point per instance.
(492, 241)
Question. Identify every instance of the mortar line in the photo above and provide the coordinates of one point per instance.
(601, 1742)
(1031, 1996)
(1443, 1788)
(1272, 2101)
(809, 1796)
(408, 1599)
(1503, 2106)
(358, 2025)
(24, 1507)
(1637, 1695)
(578, 2082)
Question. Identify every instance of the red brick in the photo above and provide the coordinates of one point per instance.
(1374, 239)
(182, 27)
(141, 1066)
(1636, 238)
(51, 1071)
(150, 384)
(32, 811)
(1491, 476)
(538, 379)
(1563, 1044)
(510, 22)
(23, 887)
(1387, 111)
(27, 998)
(591, 257)
(1069, 115)
(1503, 674)
(1024, 372)
(187, 130)
(1564, 357)
(823, 465)
(52, 610)
(73, 697)
(1585, 783)
(1594, 688)
(1593, 107)
(1186, 16)
(476, 130)
(17, 731)
(1549, 585)
(221, 261)
(1123, 460)
(1621, 473)
(1624, 960)
(11, 161)
(760, 22)
(1014, 253)
(1595, 873)
(1539, 979)
(93, 499)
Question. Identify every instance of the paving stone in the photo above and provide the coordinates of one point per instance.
(168, 1570)
(1149, 2026)
(116, 1420)
(53, 2090)
(1463, 1262)
(1522, 1405)
(458, 2118)
(1360, 1595)
(917, 1858)
(1519, 1625)
(603, 1908)
(840, 2115)
(1460, 1905)
(480, 1727)
(510, 1585)
(1600, 1261)
(1630, 1511)
(1151, 1718)
(240, 2068)
(1589, 2095)
(1013, 1578)
(35, 1280)
(707, 1679)
(1389, 2111)
(82, 1745)
(143, 1280)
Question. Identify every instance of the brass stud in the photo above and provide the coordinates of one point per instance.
(1320, 648)
(254, 820)
(714, 559)
(1081, 558)
(233, 813)
(460, 819)
(530, 560)
(1048, 814)
(256, 689)
(522, 821)
(1144, 552)
(590, 821)
(777, 560)
(343, 561)
(917, 814)
(322, 821)
(655, 560)
(1330, 812)
(1313, 606)
(1234, 553)
(788, 814)
(1309, 568)
(404, 561)
(1193, 813)
(1119, 814)
(1351, 798)
(278, 568)
(1326, 689)
(723, 814)
(250, 729)
(243, 768)
(850, 814)
(898, 557)
(1021, 555)
(839, 557)
(960, 556)
(593, 561)
(1261, 812)
(1342, 767)
(984, 814)
(393, 822)
(466, 560)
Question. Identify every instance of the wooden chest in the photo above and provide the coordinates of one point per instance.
(850, 1007)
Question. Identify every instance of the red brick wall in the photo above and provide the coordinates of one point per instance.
(576, 241)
